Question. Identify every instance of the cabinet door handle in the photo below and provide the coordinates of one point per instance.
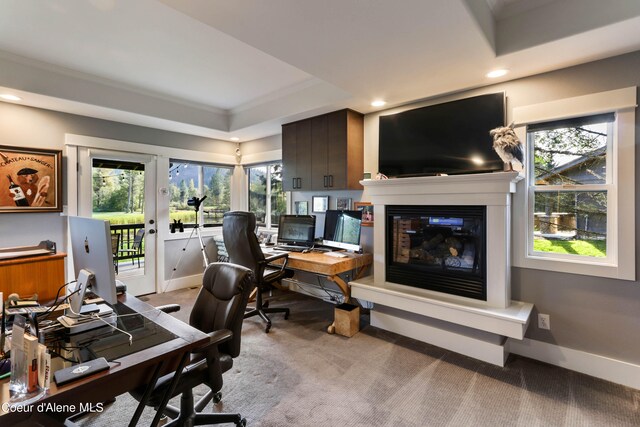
(293, 183)
(299, 183)
(330, 180)
(324, 181)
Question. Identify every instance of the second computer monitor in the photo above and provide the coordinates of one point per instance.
(342, 229)
(297, 230)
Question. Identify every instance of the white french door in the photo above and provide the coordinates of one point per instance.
(121, 187)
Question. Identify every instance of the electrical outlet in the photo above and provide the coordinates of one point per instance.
(544, 321)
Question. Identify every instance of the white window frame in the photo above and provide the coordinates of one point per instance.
(620, 260)
(201, 166)
(267, 225)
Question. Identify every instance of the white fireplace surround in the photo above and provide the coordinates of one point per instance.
(492, 190)
(469, 326)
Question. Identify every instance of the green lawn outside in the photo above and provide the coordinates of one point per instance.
(593, 248)
(119, 218)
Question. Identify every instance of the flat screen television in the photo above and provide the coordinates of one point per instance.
(449, 138)
(342, 229)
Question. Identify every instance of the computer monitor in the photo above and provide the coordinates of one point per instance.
(92, 255)
(297, 230)
(342, 229)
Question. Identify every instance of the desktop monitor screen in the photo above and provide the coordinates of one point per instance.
(91, 246)
(342, 229)
(299, 230)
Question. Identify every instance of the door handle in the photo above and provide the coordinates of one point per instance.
(152, 231)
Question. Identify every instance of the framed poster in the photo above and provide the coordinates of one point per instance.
(367, 212)
(320, 203)
(301, 208)
(30, 180)
(343, 203)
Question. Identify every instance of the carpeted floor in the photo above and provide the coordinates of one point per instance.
(298, 375)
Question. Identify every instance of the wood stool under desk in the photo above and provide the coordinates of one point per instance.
(41, 275)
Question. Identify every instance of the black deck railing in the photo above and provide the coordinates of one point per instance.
(127, 234)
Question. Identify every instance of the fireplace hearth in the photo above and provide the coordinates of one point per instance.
(440, 248)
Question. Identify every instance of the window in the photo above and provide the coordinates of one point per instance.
(266, 198)
(188, 180)
(574, 212)
(570, 186)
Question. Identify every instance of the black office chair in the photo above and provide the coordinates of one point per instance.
(238, 230)
(218, 311)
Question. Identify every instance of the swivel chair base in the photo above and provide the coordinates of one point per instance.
(262, 309)
(188, 417)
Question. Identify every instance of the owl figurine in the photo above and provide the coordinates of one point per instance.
(508, 146)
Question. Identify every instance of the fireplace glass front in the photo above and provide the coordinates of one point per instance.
(440, 248)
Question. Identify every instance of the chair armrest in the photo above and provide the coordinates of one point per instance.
(215, 338)
(277, 257)
(168, 308)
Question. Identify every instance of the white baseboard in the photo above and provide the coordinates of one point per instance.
(180, 283)
(605, 368)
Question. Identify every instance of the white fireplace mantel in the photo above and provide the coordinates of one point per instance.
(492, 320)
(492, 190)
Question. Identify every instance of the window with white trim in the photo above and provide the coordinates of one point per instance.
(188, 180)
(569, 186)
(574, 212)
(266, 198)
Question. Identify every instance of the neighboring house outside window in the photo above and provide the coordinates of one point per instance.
(266, 198)
(575, 210)
(188, 180)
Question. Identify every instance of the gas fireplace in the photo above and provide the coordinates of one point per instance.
(439, 248)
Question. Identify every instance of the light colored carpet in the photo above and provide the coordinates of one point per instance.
(298, 375)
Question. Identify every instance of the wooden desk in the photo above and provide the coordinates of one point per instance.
(330, 267)
(41, 275)
(127, 373)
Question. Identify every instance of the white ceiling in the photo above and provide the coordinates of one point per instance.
(222, 68)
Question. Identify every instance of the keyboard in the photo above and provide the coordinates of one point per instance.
(291, 248)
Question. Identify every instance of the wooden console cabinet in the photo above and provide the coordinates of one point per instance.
(41, 275)
(324, 152)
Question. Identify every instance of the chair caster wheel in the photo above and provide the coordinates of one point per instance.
(242, 423)
(266, 330)
(217, 397)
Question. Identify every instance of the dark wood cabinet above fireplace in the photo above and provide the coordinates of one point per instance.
(324, 152)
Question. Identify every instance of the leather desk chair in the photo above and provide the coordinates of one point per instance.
(218, 311)
(238, 230)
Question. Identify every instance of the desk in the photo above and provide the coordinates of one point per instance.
(127, 373)
(330, 267)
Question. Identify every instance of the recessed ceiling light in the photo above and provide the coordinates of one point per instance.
(497, 73)
(235, 139)
(378, 103)
(9, 97)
